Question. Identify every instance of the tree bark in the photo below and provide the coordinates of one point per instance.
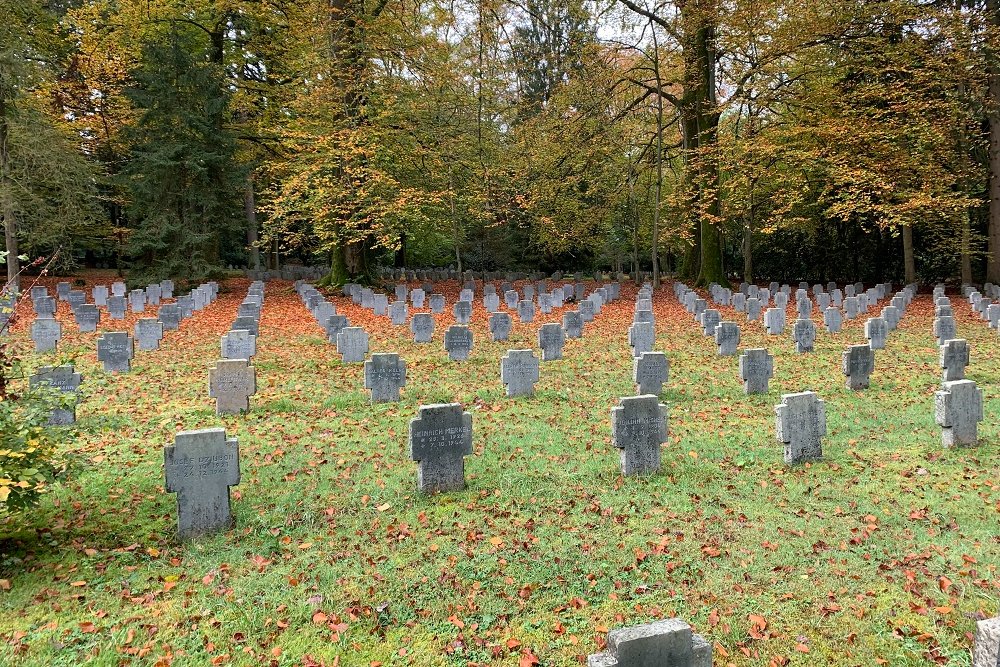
(909, 267)
(993, 78)
(659, 161)
(748, 252)
(966, 248)
(250, 206)
(7, 204)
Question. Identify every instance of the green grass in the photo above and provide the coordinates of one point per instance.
(885, 550)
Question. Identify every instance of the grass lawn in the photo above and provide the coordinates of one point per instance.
(884, 553)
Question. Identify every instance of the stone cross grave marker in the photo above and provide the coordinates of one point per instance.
(954, 357)
(231, 382)
(385, 373)
(398, 313)
(458, 342)
(380, 304)
(858, 364)
(153, 294)
(462, 312)
(333, 326)
(644, 316)
(891, 316)
(87, 316)
(148, 334)
(250, 324)
(186, 305)
(551, 339)
(62, 290)
(709, 319)
(118, 288)
(137, 300)
(573, 324)
(500, 325)
(46, 333)
(753, 309)
(417, 298)
(666, 643)
(437, 303)
(519, 372)
(800, 424)
(238, 344)
(115, 350)
(401, 291)
(944, 328)
(833, 320)
(200, 467)
(958, 409)
(727, 338)
(44, 306)
(352, 344)
(76, 298)
(166, 289)
(756, 370)
(440, 439)
(252, 309)
(116, 307)
(650, 372)
(803, 308)
(804, 335)
(170, 316)
(422, 327)
(774, 321)
(491, 302)
(876, 332)
(466, 295)
(641, 337)
(986, 643)
(65, 379)
(851, 307)
(526, 310)
(511, 299)
(586, 310)
(638, 428)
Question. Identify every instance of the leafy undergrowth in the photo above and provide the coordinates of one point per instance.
(884, 553)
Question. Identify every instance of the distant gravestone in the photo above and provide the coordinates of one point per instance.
(251, 324)
(944, 328)
(801, 426)
(876, 332)
(200, 467)
(440, 439)
(709, 319)
(46, 332)
(851, 307)
(334, 325)
(62, 291)
(665, 643)
(148, 334)
(170, 316)
(385, 373)
(76, 298)
(458, 342)
(526, 311)
(115, 351)
(511, 299)
(958, 409)
(500, 325)
(252, 309)
(87, 316)
(638, 428)
(644, 316)
(774, 321)
(573, 324)
(137, 300)
(65, 379)
(650, 372)
(462, 312)
(804, 335)
(401, 292)
(641, 337)
(417, 297)
(756, 370)
(398, 313)
(753, 309)
(727, 338)
(352, 344)
(231, 382)
(166, 289)
(891, 316)
(954, 358)
(833, 320)
(186, 306)
(858, 364)
(238, 344)
(466, 295)
(116, 307)
(153, 295)
(44, 306)
(422, 327)
(551, 339)
(491, 302)
(519, 372)
(380, 304)
(586, 310)
(437, 303)
(803, 308)
(118, 288)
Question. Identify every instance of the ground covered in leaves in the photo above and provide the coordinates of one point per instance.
(884, 553)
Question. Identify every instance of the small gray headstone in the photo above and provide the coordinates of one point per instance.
(417, 297)
(727, 338)
(76, 298)
(774, 321)
(526, 311)
(44, 306)
(858, 364)
(200, 467)
(250, 324)
(153, 294)
(986, 643)
(137, 300)
(46, 332)
(586, 310)
(804, 335)
(170, 316)
(756, 370)
(437, 303)
(851, 307)
(385, 373)
(958, 409)
(334, 325)
(231, 382)
(709, 319)
(665, 643)
(551, 339)
(62, 290)
(458, 342)
(118, 288)
(352, 344)
(641, 337)
(519, 372)
(462, 311)
(491, 302)
(115, 351)
(65, 379)
(638, 428)
(511, 299)
(833, 320)
(573, 324)
(650, 372)
(500, 325)
(238, 344)
(753, 309)
(116, 307)
(422, 327)
(87, 316)
(398, 313)
(954, 358)
(801, 425)
(876, 332)
(148, 334)
(440, 438)
(380, 304)
(944, 328)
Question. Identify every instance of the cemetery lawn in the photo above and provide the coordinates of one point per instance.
(884, 553)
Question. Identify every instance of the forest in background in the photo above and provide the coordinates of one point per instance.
(714, 139)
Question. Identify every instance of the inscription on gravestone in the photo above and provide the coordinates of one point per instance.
(385, 373)
(650, 372)
(458, 342)
(551, 339)
(65, 379)
(440, 439)
(462, 312)
(352, 344)
(500, 325)
(200, 467)
(115, 351)
(756, 370)
(638, 428)
(231, 382)
(422, 327)
(519, 372)
(238, 344)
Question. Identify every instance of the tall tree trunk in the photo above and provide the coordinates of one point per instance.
(966, 248)
(250, 206)
(993, 76)
(7, 203)
(748, 251)
(659, 161)
(456, 229)
(909, 267)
